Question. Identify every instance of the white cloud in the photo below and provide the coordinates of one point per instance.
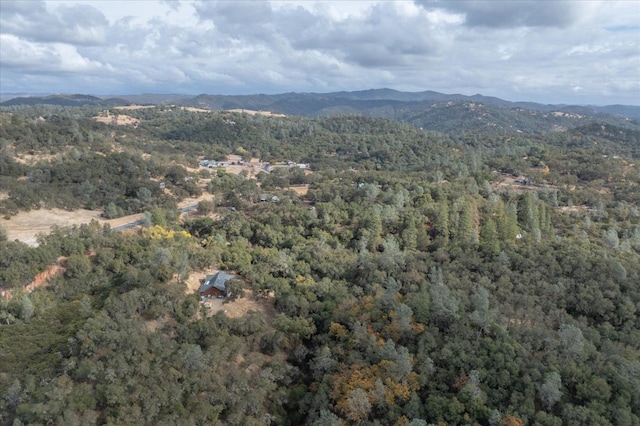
(512, 13)
(58, 57)
(34, 20)
(524, 50)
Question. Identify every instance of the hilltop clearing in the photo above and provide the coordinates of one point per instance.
(252, 112)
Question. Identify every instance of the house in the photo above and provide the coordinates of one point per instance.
(525, 181)
(209, 163)
(214, 285)
(267, 197)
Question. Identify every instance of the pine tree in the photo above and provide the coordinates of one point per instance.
(507, 221)
(528, 211)
(489, 238)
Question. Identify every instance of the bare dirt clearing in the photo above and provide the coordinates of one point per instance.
(252, 112)
(240, 307)
(118, 120)
(133, 107)
(25, 226)
(32, 159)
(510, 183)
(193, 109)
(300, 190)
(233, 308)
(572, 209)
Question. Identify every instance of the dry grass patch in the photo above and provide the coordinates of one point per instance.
(133, 107)
(573, 209)
(240, 307)
(25, 226)
(193, 109)
(300, 189)
(253, 112)
(32, 159)
(118, 120)
(233, 308)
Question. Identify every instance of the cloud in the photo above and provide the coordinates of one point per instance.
(384, 37)
(371, 38)
(30, 56)
(36, 21)
(510, 13)
(516, 50)
(239, 20)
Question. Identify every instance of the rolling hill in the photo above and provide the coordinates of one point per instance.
(449, 113)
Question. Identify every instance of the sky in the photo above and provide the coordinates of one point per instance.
(550, 51)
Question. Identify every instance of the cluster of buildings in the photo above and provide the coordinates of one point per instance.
(213, 164)
(266, 167)
(288, 165)
(525, 181)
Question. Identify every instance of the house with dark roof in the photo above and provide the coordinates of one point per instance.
(215, 285)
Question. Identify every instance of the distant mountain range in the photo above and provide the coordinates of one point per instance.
(64, 100)
(428, 109)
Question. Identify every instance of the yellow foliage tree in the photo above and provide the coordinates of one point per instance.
(512, 421)
(157, 232)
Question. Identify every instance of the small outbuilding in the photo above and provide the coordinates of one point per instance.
(215, 285)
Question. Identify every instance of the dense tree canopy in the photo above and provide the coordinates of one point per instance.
(415, 283)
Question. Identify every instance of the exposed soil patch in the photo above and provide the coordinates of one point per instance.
(233, 308)
(193, 109)
(253, 112)
(240, 307)
(299, 189)
(510, 182)
(235, 170)
(117, 120)
(570, 209)
(133, 107)
(31, 160)
(25, 226)
(193, 282)
(40, 280)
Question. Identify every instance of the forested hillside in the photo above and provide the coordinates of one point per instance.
(443, 278)
(451, 113)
